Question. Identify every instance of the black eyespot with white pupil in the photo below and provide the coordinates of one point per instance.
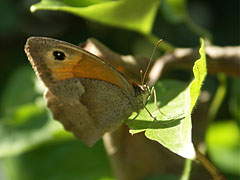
(59, 55)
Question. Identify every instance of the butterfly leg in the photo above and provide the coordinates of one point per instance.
(133, 118)
(155, 100)
(148, 99)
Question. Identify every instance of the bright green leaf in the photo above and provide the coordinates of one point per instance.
(176, 101)
(222, 140)
(200, 72)
(128, 14)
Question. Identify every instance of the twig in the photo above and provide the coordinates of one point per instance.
(219, 60)
(209, 166)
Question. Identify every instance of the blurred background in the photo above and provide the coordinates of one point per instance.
(32, 146)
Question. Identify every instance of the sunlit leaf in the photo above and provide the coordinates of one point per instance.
(176, 101)
(128, 14)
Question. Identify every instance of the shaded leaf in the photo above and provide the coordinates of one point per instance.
(25, 121)
(28, 126)
(162, 176)
(59, 160)
(19, 90)
(174, 10)
(235, 99)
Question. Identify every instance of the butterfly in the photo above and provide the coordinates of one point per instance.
(85, 93)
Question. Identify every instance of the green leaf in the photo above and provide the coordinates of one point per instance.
(34, 146)
(59, 160)
(128, 14)
(200, 72)
(234, 104)
(17, 140)
(28, 126)
(222, 140)
(162, 176)
(19, 90)
(174, 10)
(176, 101)
(25, 121)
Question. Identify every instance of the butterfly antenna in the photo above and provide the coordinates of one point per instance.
(149, 63)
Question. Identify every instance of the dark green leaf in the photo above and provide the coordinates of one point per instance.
(174, 10)
(235, 99)
(59, 160)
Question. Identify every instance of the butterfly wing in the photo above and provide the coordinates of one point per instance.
(87, 95)
(74, 63)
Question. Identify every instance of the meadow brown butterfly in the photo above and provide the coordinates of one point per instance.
(84, 92)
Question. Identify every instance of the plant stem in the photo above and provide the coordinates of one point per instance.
(218, 98)
(186, 170)
(209, 166)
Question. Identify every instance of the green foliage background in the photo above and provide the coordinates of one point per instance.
(33, 146)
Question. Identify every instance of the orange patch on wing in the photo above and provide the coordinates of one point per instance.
(84, 67)
(120, 69)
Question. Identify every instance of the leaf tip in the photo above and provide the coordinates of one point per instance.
(202, 50)
(189, 152)
(33, 9)
(201, 40)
